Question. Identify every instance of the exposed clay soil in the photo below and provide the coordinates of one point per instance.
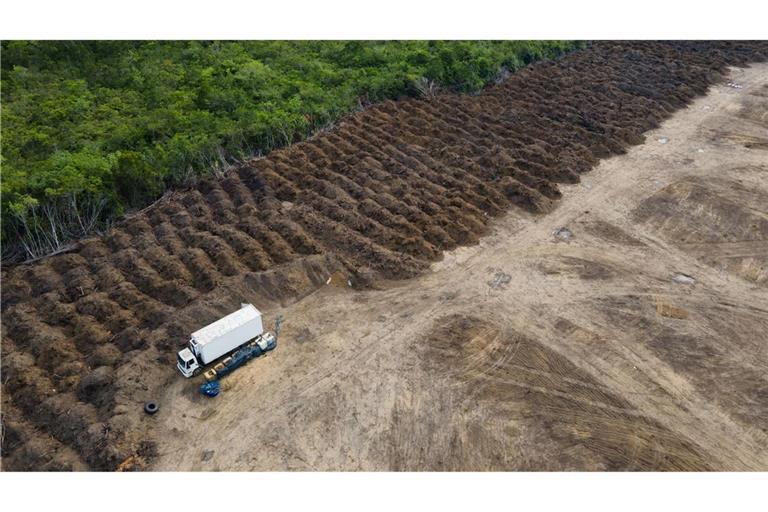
(530, 382)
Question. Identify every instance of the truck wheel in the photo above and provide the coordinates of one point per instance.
(151, 407)
(197, 371)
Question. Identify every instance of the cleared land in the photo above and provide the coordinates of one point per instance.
(519, 352)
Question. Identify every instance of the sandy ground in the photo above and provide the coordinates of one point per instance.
(530, 352)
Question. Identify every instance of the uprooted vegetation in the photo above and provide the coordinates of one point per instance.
(89, 335)
(92, 128)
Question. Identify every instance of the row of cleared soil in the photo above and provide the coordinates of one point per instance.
(89, 335)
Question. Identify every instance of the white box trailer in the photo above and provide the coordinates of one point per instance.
(220, 338)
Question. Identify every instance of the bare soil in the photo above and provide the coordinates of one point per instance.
(513, 350)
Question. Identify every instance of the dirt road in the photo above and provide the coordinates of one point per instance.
(528, 351)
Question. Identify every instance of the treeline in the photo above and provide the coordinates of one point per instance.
(93, 129)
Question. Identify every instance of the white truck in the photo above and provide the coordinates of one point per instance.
(243, 328)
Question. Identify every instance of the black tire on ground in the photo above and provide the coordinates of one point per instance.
(151, 407)
(197, 372)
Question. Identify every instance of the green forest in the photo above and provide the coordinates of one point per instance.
(93, 129)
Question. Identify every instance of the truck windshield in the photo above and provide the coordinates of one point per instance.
(182, 363)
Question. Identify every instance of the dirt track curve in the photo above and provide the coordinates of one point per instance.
(538, 376)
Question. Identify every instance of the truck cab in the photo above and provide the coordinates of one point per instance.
(187, 363)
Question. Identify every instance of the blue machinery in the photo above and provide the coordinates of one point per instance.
(210, 388)
(252, 350)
